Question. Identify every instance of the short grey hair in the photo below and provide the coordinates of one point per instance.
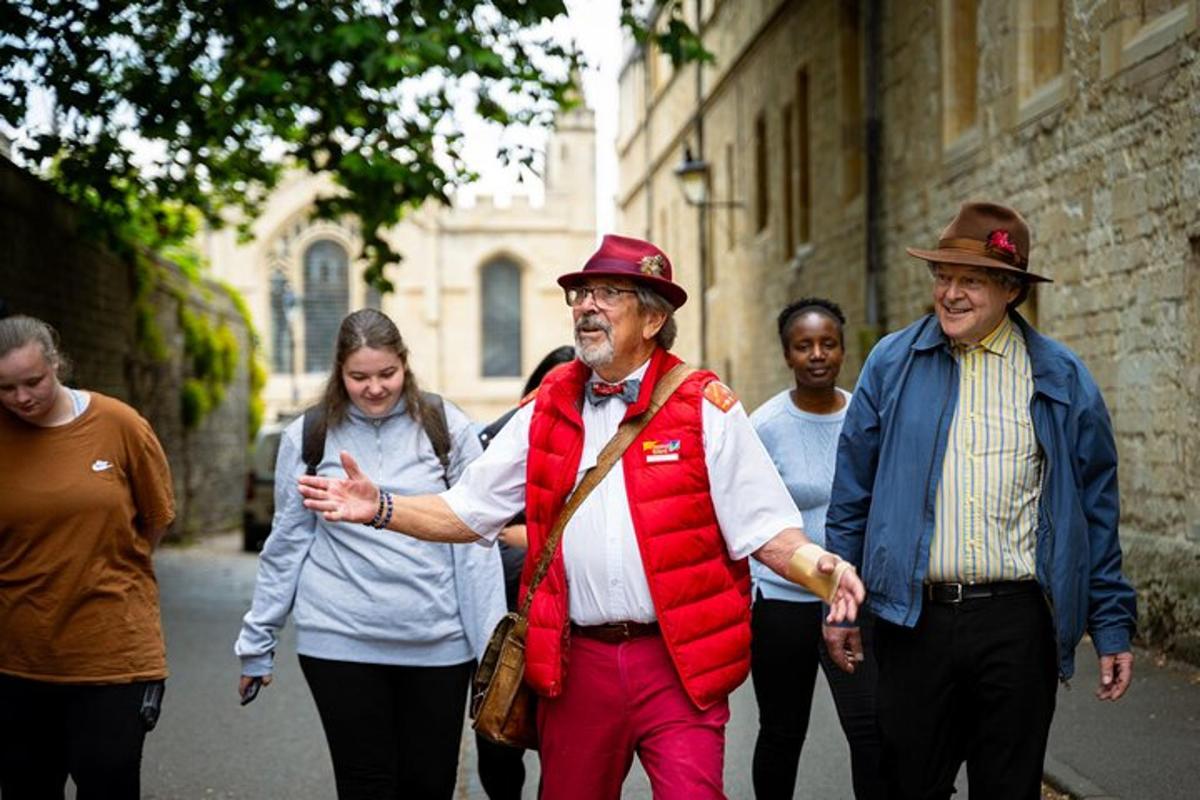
(650, 301)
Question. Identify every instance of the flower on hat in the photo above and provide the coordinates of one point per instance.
(652, 265)
(1000, 240)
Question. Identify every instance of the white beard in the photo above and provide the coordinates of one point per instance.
(596, 355)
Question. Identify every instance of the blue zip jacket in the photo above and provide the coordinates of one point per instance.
(890, 461)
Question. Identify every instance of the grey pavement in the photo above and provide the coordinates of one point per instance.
(1145, 746)
(207, 747)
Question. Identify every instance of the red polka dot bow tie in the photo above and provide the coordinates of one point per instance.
(598, 392)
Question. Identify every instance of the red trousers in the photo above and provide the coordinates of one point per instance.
(621, 699)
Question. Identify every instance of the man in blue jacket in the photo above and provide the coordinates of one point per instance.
(976, 490)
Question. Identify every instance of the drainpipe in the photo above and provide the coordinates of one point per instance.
(875, 307)
(705, 267)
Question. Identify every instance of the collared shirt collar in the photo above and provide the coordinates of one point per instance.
(933, 336)
(998, 340)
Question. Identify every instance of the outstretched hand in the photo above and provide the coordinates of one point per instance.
(850, 591)
(351, 499)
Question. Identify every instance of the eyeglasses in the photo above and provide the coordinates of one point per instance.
(606, 297)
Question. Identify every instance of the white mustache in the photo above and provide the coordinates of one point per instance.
(593, 322)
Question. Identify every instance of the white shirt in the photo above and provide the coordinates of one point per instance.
(605, 578)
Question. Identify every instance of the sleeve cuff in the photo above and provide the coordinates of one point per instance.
(1111, 641)
(487, 533)
(258, 666)
(747, 545)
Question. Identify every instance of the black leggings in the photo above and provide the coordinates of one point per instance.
(393, 731)
(786, 647)
(48, 731)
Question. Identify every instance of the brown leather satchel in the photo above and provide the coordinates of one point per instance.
(502, 705)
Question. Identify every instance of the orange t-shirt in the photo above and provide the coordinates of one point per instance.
(78, 596)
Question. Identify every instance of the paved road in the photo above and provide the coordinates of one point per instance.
(207, 747)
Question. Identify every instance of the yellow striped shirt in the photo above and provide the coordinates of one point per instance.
(985, 520)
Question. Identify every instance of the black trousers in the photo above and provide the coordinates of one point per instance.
(48, 731)
(501, 769)
(393, 731)
(973, 681)
(785, 650)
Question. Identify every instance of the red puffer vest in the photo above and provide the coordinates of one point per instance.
(701, 596)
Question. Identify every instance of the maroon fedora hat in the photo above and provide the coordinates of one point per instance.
(984, 235)
(632, 259)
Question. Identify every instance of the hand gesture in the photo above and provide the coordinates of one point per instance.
(850, 591)
(351, 499)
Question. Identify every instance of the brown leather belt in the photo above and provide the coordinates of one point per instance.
(959, 592)
(616, 632)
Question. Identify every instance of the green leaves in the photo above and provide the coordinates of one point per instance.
(165, 106)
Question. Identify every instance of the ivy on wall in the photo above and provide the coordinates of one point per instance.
(257, 407)
(210, 347)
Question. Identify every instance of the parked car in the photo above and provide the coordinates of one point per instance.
(260, 486)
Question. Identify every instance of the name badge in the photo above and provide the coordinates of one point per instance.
(659, 452)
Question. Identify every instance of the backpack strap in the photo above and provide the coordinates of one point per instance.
(312, 448)
(433, 420)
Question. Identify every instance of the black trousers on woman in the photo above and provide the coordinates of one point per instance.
(94, 733)
(786, 648)
(393, 731)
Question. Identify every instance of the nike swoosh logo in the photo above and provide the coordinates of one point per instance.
(100, 465)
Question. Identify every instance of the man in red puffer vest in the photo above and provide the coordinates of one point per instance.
(641, 628)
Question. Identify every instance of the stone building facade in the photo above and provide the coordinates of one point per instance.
(825, 120)
(475, 298)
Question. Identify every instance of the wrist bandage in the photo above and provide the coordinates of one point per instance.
(802, 569)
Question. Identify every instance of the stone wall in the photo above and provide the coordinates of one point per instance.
(1104, 162)
(49, 268)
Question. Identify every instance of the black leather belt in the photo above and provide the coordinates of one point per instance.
(960, 592)
(616, 632)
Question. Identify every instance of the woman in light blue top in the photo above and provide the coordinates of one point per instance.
(388, 627)
(800, 428)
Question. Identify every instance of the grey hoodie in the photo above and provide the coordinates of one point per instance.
(365, 595)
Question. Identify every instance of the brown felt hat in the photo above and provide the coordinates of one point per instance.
(984, 235)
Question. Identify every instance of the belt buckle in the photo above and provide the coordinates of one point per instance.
(623, 629)
(948, 593)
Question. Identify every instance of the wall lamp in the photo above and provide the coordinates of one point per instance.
(693, 180)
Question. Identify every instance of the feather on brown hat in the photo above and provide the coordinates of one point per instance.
(984, 235)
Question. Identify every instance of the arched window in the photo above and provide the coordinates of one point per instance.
(282, 298)
(501, 319)
(326, 301)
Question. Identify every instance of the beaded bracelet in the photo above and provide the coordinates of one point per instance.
(374, 523)
(384, 515)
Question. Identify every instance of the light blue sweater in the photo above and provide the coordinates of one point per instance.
(365, 595)
(804, 449)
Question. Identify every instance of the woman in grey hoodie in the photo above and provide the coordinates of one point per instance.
(388, 628)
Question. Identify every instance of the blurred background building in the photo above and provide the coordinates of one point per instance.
(475, 296)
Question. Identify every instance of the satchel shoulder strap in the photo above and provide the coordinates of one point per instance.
(611, 454)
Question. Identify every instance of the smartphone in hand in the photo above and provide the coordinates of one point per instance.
(251, 690)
